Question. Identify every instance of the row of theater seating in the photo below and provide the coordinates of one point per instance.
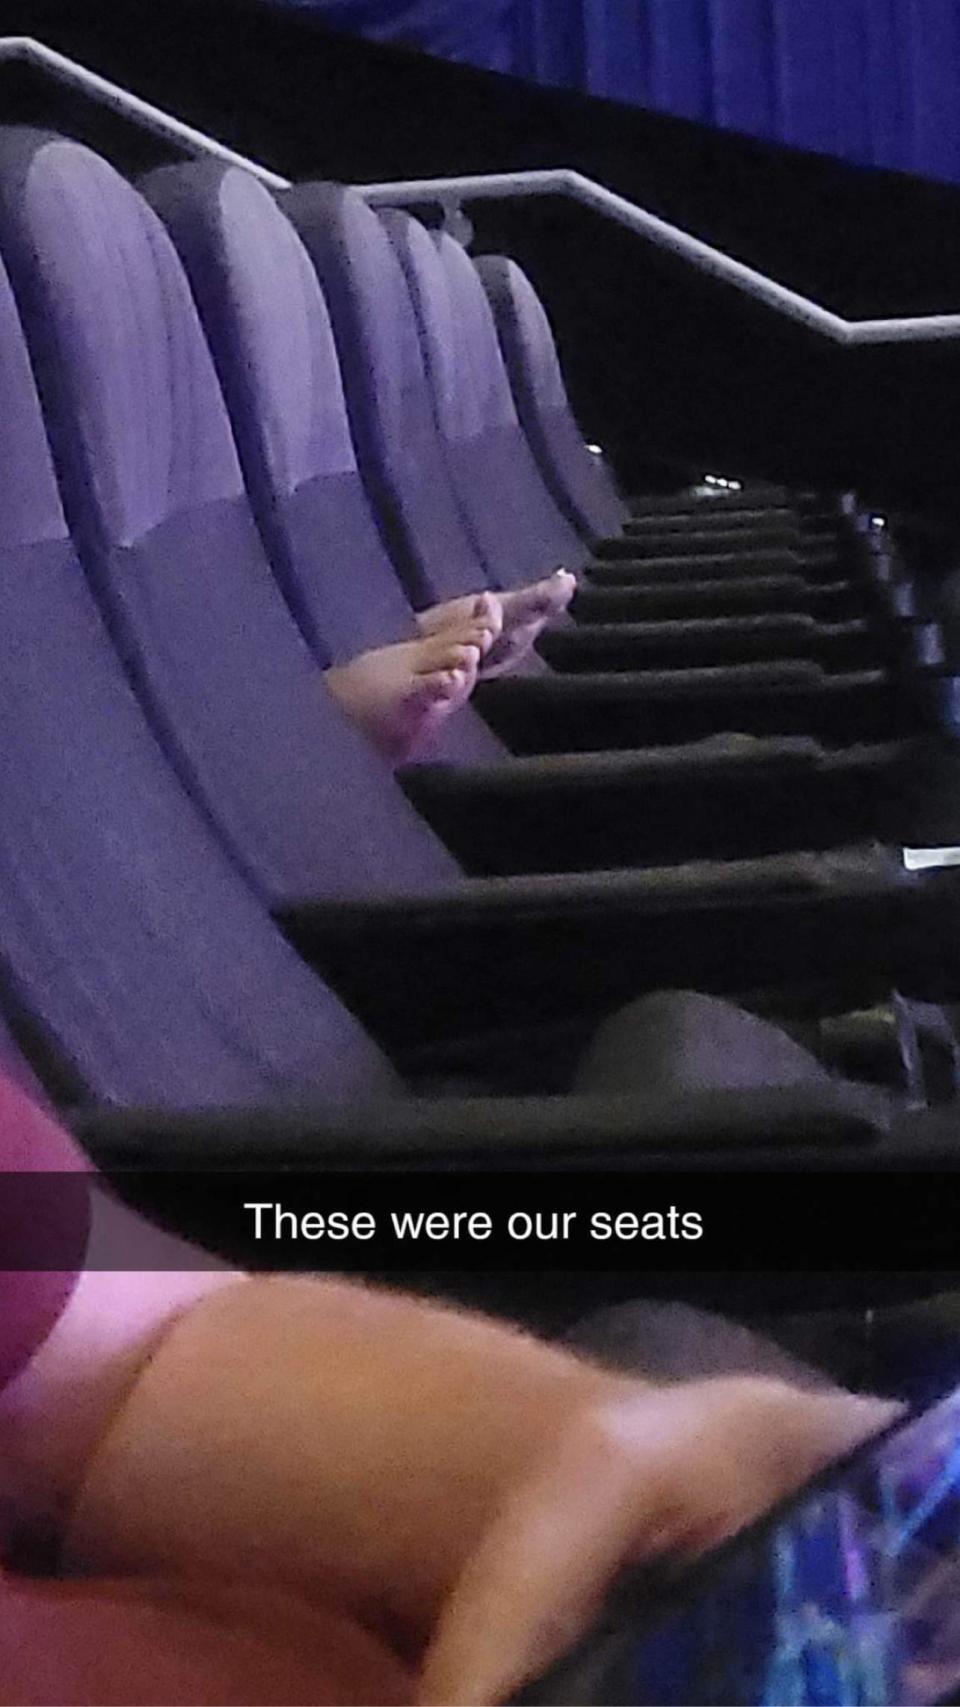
(246, 438)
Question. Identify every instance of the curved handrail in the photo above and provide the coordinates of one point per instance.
(130, 106)
(452, 193)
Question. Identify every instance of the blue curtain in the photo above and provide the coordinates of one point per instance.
(874, 81)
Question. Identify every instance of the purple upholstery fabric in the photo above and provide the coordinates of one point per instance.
(401, 457)
(269, 333)
(268, 328)
(147, 966)
(521, 531)
(155, 499)
(579, 481)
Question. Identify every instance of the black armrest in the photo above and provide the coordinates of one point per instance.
(708, 640)
(755, 594)
(706, 536)
(715, 800)
(483, 1132)
(502, 953)
(722, 511)
(768, 556)
(594, 712)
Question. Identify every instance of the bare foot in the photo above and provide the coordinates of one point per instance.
(484, 610)
(402, 695)
(526, 612)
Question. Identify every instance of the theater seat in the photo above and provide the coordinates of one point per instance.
(433, 540)
(579, 479)
(487, 450)
(155, 495)
(308, 497)
(323, 512)
(148, 973)
(404, 467)
(499, 457)
(222, 249)
(266, 322)
(309, 812)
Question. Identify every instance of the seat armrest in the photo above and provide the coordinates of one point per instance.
(505, 953)
(588, 712)
(484, 1132)
(715, 799)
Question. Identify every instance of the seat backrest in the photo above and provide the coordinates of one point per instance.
(269, 332)
(520, 528)
(578, 480)
(155, 500)
(135, 952)
(388, 396)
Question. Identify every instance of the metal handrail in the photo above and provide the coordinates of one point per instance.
(452, 193)
(130, 106)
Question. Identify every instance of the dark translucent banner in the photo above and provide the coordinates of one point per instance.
(354, 1222)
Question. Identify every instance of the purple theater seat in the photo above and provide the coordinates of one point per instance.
(145, 965)
(268, 329)
(501, 488)
(155, 499)
(496, 460)
(266, 321)
(269, 332)
(521, 530)
(132, 944)
(440, 530)
(579, 480)
(402, 459)
(128, 937)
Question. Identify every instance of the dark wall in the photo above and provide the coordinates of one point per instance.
(656, 359)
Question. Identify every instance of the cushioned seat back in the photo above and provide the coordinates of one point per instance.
(268, 329)
(521, 531)
(130, 943)
(388, 394)
(270, 336)
(155, 499)
(578, 480)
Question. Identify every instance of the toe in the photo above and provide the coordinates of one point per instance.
(464, 657)
(489, 613)
(447, 684)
